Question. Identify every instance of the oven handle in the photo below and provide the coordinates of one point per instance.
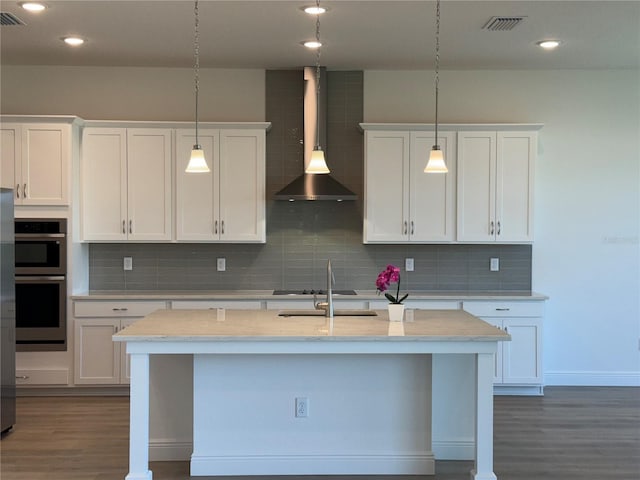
(31, 236)
(38, 278)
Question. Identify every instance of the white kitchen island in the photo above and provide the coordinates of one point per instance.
(248, 366)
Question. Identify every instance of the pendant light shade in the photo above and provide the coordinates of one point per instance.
(436, 161)
(436, 157)
(197, 162)
(317, 164)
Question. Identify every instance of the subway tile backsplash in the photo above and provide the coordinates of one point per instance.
(302, 235)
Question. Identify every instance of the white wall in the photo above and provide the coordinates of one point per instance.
(133, 93)
(586, 253)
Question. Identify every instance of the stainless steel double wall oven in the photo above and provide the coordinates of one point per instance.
(41, 284)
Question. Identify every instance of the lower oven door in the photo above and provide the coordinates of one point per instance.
(41, 312)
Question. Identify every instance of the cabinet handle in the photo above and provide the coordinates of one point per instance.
(124, 227)
(24, 190)
(491, 228)
(215, 227)
(498, 232)
(222, 227)
(404, 230)
(130, 226)
(505, 309)
(17, 190)
(123, 309)
(22, 377)
(411, 227)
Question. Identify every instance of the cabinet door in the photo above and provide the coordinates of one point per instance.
(10, 153)
(197, 198)
(386, 187)
(516, 153)
(97, 357)
(476, 186)
(242, 186)
(522, 362)
(46, 158)
(104, 180)
(149, 193)
(431, 197)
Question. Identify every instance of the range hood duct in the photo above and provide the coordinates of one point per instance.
(315, 186)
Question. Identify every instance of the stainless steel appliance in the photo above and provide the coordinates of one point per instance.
(7, 313)
(41, 285)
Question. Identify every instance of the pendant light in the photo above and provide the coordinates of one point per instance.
(197, 162)
(436, 157)
(317, 163)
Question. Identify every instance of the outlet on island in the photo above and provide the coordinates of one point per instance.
(128, 263)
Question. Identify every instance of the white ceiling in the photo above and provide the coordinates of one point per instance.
(357, 34)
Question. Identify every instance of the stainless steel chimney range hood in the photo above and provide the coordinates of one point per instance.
(314, 186)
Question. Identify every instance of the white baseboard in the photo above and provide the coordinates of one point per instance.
(454, 450)
(592, 379)
(419, 464)
(169, 450)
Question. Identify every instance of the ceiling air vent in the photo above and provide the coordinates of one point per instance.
(496, 24)
(7, 19)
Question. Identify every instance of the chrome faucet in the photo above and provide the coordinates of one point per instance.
(328, 305)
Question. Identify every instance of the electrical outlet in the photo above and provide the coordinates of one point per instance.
(221, 264)
(302, 407)
(408, 264)
(495, 265)
(128, 263)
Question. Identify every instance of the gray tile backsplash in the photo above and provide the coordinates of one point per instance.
(302, 235)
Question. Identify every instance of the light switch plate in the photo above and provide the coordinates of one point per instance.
(128, 263)
(495, 265)
(408, 264)
(221, 264)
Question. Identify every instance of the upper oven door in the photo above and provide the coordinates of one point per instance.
(40, 254)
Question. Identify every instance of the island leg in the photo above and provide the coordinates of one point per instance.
(484, 418)
(139, 419)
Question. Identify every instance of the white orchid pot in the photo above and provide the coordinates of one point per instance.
(396, 312)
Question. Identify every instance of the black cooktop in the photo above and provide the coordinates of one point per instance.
(313, 292)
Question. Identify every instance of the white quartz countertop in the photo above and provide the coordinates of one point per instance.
(240, 295)
(265, 325)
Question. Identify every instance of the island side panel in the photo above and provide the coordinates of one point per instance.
(366, 414)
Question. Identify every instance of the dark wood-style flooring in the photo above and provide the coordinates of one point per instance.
(586, 433)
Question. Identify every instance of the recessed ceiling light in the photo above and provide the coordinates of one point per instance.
(33, 6)
(73, 40)
(548, 44)
(312, 44)
(314, 10)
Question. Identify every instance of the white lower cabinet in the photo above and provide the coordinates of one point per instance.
(98, 360)
(518, 363)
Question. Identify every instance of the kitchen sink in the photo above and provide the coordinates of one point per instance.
(320, 313)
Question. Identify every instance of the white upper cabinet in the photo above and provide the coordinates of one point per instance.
(228, 203)
(495, 186)
(10, 150)
(41, 158)
(402, 203)
(126, 184)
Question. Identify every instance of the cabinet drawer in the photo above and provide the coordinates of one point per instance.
(112, 308)
(504, 309)
(213, 304)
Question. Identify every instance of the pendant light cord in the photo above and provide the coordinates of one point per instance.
(437, 64)
(196, 52)
(318, 77)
